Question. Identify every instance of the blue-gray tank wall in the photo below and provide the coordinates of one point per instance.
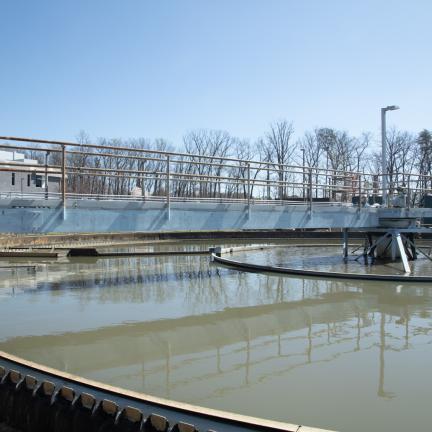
(45, 216)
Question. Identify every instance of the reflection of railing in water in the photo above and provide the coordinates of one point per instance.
(196, 281)
(326, 294)
(114, 272)
(146, 280)
(166, 357)
(169, 367)
(149, 276)
(257, 358)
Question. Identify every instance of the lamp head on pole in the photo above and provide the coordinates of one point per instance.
(391, 108)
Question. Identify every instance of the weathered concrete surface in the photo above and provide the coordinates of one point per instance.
(44, 216)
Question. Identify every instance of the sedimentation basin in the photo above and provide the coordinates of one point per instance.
(341, 355)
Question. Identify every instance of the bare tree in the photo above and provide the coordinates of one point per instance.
(346, 157)
(311, 151)
(401, 155)
(280, 148)
(207, 149)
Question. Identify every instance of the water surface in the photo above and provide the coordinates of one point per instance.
(344, 355)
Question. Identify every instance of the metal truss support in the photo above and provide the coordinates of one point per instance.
(417, 249)
(396, 245)
(397, 240)
(345, 244)
(371, 249)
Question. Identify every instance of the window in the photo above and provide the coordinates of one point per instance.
(13, 179)
(38, 181)
(28, 180)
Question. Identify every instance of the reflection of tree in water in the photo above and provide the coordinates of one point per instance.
(159, 279)
(330, 317)
(339, 334)
(353, 329)
(382, 347)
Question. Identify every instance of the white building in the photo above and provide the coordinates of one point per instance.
(21, 175)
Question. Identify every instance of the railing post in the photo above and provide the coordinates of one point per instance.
(359, 191)
(268, 182)
(167, 186)
(408, 199)
(63, 173)
(310, 190)
(248, 185)
(46, 174)
(143, 187)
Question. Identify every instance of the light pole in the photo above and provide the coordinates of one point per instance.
(384, 151)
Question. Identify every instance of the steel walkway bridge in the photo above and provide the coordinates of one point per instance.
(55, 186)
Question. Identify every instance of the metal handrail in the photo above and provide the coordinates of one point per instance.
(160, 152)
(212, 173)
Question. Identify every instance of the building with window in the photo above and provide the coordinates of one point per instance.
(19, 175)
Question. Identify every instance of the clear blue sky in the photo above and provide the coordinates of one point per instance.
(160, 68)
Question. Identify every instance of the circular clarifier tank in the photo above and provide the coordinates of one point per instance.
(340, 354)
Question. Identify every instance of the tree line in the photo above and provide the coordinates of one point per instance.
(202, 169)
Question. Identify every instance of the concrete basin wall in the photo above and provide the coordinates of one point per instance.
(43, 216)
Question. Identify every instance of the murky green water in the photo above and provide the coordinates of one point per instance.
(343, 355)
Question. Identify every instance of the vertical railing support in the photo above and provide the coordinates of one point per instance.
(268, 183)
(303, 179)
(248, 185)
(359, 191)
(310, 190)
(63, 174)
(408, 200)
(46, 174)
(167, 186)
(143, 187)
